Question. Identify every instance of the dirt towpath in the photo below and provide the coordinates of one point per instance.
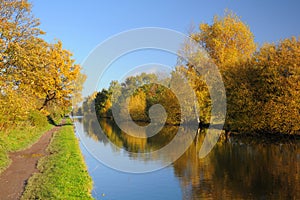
(23, 165)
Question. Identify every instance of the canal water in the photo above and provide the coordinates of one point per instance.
(234, 169)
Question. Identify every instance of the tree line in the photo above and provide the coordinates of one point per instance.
(37, 78)
(262, 83)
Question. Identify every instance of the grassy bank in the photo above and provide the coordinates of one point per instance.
(63, 174)
(18, 139)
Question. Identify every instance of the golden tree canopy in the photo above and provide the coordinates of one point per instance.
(228, 40)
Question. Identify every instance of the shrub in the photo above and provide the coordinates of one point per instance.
(37, 119)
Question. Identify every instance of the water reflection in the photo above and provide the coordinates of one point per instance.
(174, 139)
(239, 170)
(236, 169)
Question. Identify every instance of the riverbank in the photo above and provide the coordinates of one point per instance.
(263, 137)
(62, 174)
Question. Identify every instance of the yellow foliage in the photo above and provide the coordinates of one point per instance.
(137, 106)
(228, 40)
(34, 74)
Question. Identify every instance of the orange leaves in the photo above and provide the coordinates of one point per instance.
(137, 106)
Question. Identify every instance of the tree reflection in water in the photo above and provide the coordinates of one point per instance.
(236, 169)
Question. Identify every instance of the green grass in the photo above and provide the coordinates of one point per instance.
(63, 174)
(18, 139)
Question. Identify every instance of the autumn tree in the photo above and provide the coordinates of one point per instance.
(262, 86)
(229, 43)
(16, 26)
(34, 75)
(137, 106)
(62, 76)
(276, 86)
(228, 40)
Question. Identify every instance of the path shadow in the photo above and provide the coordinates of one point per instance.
(51, 121)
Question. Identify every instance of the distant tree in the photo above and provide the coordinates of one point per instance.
(103, 103)
(137, 106)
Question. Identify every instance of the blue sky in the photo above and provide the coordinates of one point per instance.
(82, 25)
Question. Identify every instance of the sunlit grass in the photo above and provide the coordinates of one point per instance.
(63, 174)
(18, 139)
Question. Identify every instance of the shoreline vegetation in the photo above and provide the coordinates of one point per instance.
(265, 138)
(261, 84)
(63, 173)
(37, 89)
